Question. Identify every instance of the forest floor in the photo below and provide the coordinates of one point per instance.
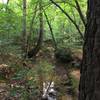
(65, 89)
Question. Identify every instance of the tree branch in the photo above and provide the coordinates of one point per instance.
(80, 12)
(68, 16)
(50, 29)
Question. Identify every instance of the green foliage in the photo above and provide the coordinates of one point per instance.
(19, 93)
(64, 55)
(64, 31)
(20, 74)
(43, 68)
(30, 79)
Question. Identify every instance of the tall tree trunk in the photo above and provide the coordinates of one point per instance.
(89, 88)
(40, 40)
(24, 34)
(31, 28)
(51, 31)
(35, 50)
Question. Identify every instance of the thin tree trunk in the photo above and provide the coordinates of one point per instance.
(51, 31)
(32, 21)
(24, 34)
(8, 2)
(35, 50)
(89, 88)
(80, 12)
(31, 27)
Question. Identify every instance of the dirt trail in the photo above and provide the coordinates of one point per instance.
(62, 74)
(62, 77)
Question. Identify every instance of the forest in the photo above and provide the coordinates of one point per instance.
(49, 50)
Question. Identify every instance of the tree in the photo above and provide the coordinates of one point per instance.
(35, 50)
(69, 17)
(24, 33)
(54, 40)
(31, 28)
(80, 12)
(89, 88)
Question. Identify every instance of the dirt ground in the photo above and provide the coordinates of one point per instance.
(61, 73)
